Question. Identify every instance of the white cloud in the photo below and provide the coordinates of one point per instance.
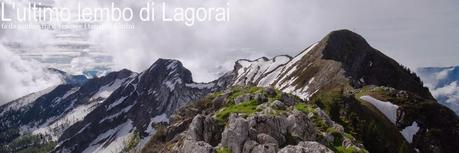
(416, 33)
(19, 77)
(449, 95)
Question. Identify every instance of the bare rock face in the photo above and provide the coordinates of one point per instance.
(278, 104)
(196, 129)
(236, 133)
(271, 125)
(243, 98)
(306, 147)
(249, 145)
(300, 127)
(190, 146)
(265, 139)
(266, 148)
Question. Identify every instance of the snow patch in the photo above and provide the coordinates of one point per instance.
(57, 125)
(116, 103)
(387, 108)
(410, 131)
(201, 85)
(108, 89)
(160, 118)
(172, 83)
(124, 110)
(104, 144)
(21, 102)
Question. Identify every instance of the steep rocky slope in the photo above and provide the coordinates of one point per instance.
(333, 72)
(126, 115)
(342, 57)
(43, 116)
(251, 120)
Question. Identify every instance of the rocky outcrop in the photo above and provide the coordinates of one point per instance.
(190, 146)
(306, 147)
(236, 133)
(257, 125)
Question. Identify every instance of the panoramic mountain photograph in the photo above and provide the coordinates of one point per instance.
(229, 76)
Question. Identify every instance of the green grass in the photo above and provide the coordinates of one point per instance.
(237, 91)
(245, 108)
(341, 149)
(223, 150)
(304, 108)
(254, 89)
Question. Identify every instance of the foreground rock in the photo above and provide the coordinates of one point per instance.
(256, 125)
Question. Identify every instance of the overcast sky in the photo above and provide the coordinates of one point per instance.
(416, 33)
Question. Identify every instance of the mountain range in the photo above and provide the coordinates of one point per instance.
(338, 95)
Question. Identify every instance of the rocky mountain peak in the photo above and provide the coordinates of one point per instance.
(344, 45)
(167, 69)
(349, 54)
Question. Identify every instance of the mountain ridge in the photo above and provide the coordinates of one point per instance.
(339, 74)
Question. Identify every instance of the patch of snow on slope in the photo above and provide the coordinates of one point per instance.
(160, 118)
(104, 144)
(390, 111)
(71, 92)
(150, 130)
(410, 131)
(172, 83)
(21, 102)
(252, 71)
(124, 110)
(57, 127)
(300, 56)
(270, 78)
(200, 85)
(107, 90)
(116, 103)
(172, 65)
(387, 108)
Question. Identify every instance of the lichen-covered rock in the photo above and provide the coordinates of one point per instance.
(248, 146)
(300, 127)
(196, 128)
(265, 139)
(278, 105)
(190, 146)
(274, 126)
(270, 91)
(260, 98)
(243, 98)
(261, 127)
(306, 147)
(289, 100)
(236, 133)
(266, 148)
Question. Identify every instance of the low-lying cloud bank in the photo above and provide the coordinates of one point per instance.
(443, 83)
(19, 77)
